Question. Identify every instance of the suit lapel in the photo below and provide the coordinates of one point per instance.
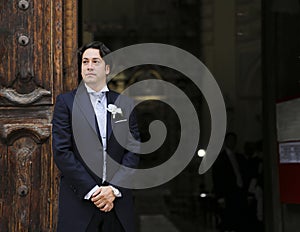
(82, 101)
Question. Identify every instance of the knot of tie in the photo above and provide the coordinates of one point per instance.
(99, 95)
(100, 100)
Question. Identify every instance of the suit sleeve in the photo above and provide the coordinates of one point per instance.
(72, 170)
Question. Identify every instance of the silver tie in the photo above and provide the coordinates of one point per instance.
(100, 113)
(101, 119)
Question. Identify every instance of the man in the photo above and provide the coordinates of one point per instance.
(88, 201)
(228, 186)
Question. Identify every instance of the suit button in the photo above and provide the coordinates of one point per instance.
(73, 188)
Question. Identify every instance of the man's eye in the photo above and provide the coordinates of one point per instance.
(84, 62)
(96, 61)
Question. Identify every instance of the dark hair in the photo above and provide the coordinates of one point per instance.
(96, 45)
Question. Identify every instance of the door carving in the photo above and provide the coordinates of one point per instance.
(38, 43)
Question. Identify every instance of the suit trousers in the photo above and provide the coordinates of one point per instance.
(105, 222)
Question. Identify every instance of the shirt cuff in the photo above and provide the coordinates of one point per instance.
(116, 191)
(90, 193)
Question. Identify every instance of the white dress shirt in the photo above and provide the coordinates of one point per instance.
(99, 103)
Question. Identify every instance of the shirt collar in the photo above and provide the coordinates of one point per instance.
(90, 90)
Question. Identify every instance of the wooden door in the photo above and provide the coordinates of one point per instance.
(38, 42)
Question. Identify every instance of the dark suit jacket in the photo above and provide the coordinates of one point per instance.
(77, 175)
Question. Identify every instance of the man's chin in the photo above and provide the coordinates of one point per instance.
(89, 79)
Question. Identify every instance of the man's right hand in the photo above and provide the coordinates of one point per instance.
(103, 198)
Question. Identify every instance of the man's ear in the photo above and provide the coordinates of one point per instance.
(107, 69)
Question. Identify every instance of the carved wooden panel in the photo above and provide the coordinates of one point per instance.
(38, 43)
(26, 189)
(26, 63)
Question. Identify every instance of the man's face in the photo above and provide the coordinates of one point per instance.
(94, 69)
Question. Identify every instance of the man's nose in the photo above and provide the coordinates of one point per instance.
(90, 65)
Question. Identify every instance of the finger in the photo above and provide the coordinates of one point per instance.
(98, 191)
(105, 197)
(104, 209)
(111, 206)
(107, 207)
(96, 198)
(108, 195)
(100, 204)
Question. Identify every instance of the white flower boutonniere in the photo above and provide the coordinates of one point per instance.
(113, 109)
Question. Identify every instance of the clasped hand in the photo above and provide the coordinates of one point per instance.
(103, 198)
